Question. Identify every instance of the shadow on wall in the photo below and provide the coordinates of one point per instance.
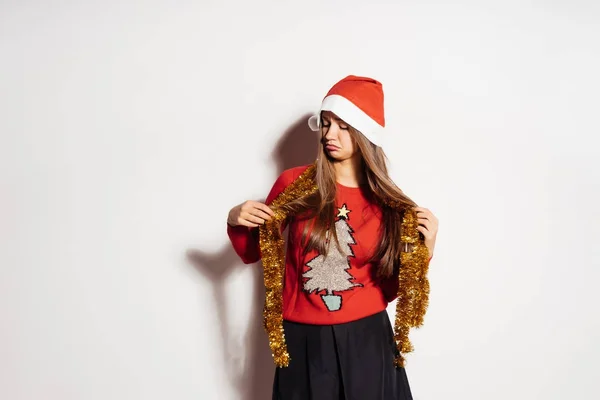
(250, 365)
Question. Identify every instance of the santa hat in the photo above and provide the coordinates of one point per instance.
(358, 101)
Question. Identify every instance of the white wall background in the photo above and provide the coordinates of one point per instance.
(129, 130)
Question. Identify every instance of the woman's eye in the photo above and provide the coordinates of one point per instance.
(344, 128)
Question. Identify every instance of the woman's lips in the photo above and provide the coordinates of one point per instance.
(331, 147)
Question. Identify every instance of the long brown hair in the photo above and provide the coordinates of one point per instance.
(319, 209)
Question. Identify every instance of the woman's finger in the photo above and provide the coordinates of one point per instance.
(264, 208)
(252, 218)
(258, 212)
(424, 225)
(423, 217)
(425, 222)
(423, 212)
(424, 231)
(250, 224)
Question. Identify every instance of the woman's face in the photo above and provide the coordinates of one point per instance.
(337, 140)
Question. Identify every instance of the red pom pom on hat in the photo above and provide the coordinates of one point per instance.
(359, 102)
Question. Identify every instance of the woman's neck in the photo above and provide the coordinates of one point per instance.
(349, 172)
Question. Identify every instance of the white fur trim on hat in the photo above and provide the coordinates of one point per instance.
(314, 123)
(352, 115)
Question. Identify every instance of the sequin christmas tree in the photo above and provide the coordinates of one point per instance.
(329, 273)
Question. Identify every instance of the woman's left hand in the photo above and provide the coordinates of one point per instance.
(428, 226)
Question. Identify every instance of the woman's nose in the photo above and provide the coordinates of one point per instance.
(332, 132)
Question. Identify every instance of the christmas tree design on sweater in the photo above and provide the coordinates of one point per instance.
(329, 274)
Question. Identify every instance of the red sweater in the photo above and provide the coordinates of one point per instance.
(341, 287)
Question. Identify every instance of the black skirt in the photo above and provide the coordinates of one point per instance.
(351, 361)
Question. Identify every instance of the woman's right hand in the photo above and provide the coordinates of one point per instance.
(250, 213)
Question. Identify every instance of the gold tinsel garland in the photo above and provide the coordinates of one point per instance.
(413, 285)
(272, 248)
(413, 288)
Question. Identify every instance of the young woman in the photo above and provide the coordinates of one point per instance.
(343, 259)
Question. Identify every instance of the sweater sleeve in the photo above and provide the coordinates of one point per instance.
(245, 240)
